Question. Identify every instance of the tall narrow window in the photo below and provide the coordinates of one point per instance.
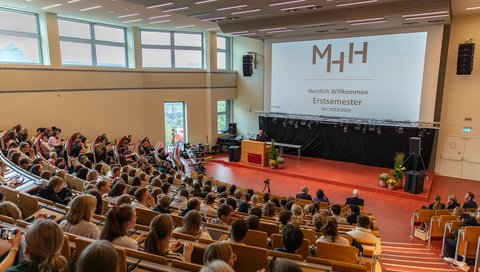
(91, 44)
(19, 37)
(223, 53)
(224, 109)
(175, 122)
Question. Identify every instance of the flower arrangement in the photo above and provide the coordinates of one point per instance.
(382, 178)
(399, 170)
(274, 160)
(391, 182)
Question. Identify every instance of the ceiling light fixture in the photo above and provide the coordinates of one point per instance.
(73, 1)
(271, 29)
(425, 14)
(160, 5)
(364, 20)
(204, 2)
(473, 8)
(356, 3)
(426, 17)
(128, 15)
(285, 3)
(279, 31)
(131, 21)
(233, 7)
(213, 19)
(298, 7)
(90, 8)
(367, 23)
(317, 25)
(246, 11)
(237, 32)
(52, 6)
(161, 16)
(185, 26)
(176, 9)
(159, 22)
(246, 34)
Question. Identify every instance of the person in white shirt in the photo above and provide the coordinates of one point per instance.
(78, 220)
(144, 200)
(54, 140)
(117, 224)
(363, 234)
(192, 223)
(180, 201)
(207, 207)
(336, 210)
(330, 234)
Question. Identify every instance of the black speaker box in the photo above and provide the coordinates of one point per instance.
(247, 65)
(234, 154)
(414, 182)
(414, 146)
(465, 59)
(232, 128)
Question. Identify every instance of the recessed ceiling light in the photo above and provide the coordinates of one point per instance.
(128, 15)
(204, 2)
(160, 5)
(176, 9)
(90, 8)
(285, 3)
(213, 19)
(233, 7)
(213, 29)
(185, 26)
(73, 1)
(367, 23)
(270, 29)
(159, 22)
(356, 3)
(52, 6)
(364, 20)
(247, 34)
(279, 31)
(298, 7)
(246, 11)
(131, 21)
(426, 17)
(425, 14)
(237, 32)
(160, 16)
(472, 8)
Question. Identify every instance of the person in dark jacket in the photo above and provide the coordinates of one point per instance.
(354, 212)
(53, 191)
(436, 205)
(451, 244)
(354, 199)
(469, 203)
(304, 194)
(452, 202)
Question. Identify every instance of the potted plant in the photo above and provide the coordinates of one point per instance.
(399, 170)
(382, 179)
(272, 156)
(392, 184)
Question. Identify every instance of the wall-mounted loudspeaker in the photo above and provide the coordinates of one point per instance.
(232, 128)
(465, 58)
(415, 146)
(247, 65)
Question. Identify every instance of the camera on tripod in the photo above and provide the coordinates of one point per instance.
(267, 181)
(267, 185)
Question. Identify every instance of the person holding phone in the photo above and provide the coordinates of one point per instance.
(14, 242)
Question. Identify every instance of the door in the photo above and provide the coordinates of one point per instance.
(175, 130)
(471, 160)
(452, 156)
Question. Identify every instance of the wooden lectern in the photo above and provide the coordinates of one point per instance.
(255, 153)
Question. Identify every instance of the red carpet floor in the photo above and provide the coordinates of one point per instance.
(392, 212)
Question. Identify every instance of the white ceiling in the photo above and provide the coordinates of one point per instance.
(256, 18)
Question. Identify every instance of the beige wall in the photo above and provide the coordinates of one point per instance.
(462, 93)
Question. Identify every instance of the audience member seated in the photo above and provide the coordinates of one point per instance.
(321, 197)
(451, 244)
(158, 240)
(9, 209)
(286, 266)
(256, 211)
(192, 225)
(144, 199)
(469, 203)
(436, 205)
(336, 210)
(118, 189)
(253, 222)
(363, 233)
(238, 231)
(268, 209)
(304, 194)
(292, 238)
(219, 251)
(124, 200)
(207, 207)
(217, 266)
(180, 201)
(9, 258)
(3, 170)
(297, 214)
(254, 200)
(330, 234)
(94, 255)
(284, 218)
(103, 186)
(43, 241)
(452, 202)
(98, 197)
(163, 205)
(244, 206)
(192, 204)
(318, 221)
(78, 220)
(354, 213)
(354, 199)
(52, 190)
(119, 220)
(224, 215)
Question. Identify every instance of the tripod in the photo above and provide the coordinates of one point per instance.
(266, 186)
(415, 162)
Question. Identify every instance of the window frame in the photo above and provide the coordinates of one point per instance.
(227, 52)
(228, 114)
(93, 42)
(22, 34)
(172, 47)
(185, 125)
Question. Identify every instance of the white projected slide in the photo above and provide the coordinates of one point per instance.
(378, 77)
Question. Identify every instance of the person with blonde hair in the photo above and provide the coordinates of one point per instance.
(92, 176)
(9, 209)
(437, 204)
(92, 258)
(452, 202)
(191, 225)
(219, 251)
(78, 220)
(43, 241)
(158, 240)
(217, 266)
(3, 169)
(297, 214)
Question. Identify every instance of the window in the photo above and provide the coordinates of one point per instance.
(224, 110)
(174, 122)
(162, 49)
(19, 37)
(92, 44)
(223, 53)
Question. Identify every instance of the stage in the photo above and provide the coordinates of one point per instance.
(350, 175)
